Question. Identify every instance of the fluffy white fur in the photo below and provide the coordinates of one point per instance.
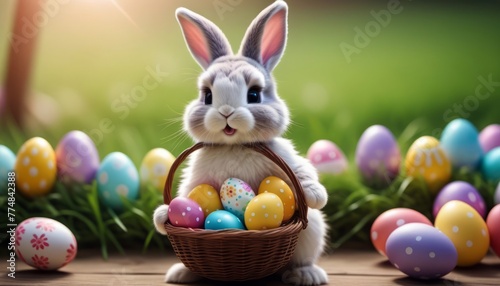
(229, 78)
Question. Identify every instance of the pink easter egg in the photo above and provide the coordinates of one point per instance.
(185, 212)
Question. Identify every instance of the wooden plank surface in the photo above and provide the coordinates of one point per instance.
(345, 267)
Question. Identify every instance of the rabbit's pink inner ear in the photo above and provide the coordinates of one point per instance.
(273, 38)
(196, 41)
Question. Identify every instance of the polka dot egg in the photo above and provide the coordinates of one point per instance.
(462, 191)
(378, 156)
(265, 211)
(326, 157)
(207, 197)
(278, 187)
(117, 180)
(155, 167)
(77, 158)
(390, 220)
(465, 227)
(421, 251)
(235, 195)
(35, 167)
(222, 219)
(185, 212)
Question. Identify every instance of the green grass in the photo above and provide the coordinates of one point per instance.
(427, 60)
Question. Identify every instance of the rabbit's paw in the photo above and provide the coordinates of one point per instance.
(305, 275)
(160, 217)
(316, 194)
(179, 273)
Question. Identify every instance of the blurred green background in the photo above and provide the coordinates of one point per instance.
(427, 59)
(413, 73)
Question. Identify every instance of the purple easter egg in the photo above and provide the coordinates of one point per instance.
(421, 251)
(377, 156)
(460, 191)
(77, 158)
(489, 137)
(185, 212)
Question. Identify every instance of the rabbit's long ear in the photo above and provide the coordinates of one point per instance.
(204, 39)
(265, 38)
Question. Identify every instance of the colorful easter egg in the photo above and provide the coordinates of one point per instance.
(421, 251)
(44, 243)
(462, 191)
(185, 212)
(222, 219)
(155, 167)
(117, 179)
(77, 158)
(327, 157)
(489, 137)
(235, 195)
(460, 142)
(35, 167)
(207, 197)
(278, 187)
(7, 162)
(465, 227)
(265, 211)
(490, 166)
(493, 223)
(378, 156)
(390, 220)
(426, 160)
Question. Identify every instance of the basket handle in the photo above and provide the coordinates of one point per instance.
(258, 147)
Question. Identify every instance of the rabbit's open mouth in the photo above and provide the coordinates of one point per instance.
(229, 131)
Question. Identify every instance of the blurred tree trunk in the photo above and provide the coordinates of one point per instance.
(20, 60)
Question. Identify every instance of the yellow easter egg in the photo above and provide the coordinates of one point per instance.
(155, 167)
(207, 197)
(465, 227)
(278, 187)
(265, 211)
(35, 167)
(426, 160)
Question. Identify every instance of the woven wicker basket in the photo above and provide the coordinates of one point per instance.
(237, 255)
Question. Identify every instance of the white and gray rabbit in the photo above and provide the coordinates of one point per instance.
(238, 104)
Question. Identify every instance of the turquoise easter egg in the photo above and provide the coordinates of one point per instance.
(7, 161)
(222, 219)
(117, 179)
(490, 166)
(460, 142)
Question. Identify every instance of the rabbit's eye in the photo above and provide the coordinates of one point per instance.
(208, 96)
(253, 95)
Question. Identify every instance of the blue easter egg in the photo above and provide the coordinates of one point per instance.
(222, 219)
(491, 165)
(7, 161)
(117, 178)
(460, 142)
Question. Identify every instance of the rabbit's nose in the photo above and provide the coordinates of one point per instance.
(226, 110)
